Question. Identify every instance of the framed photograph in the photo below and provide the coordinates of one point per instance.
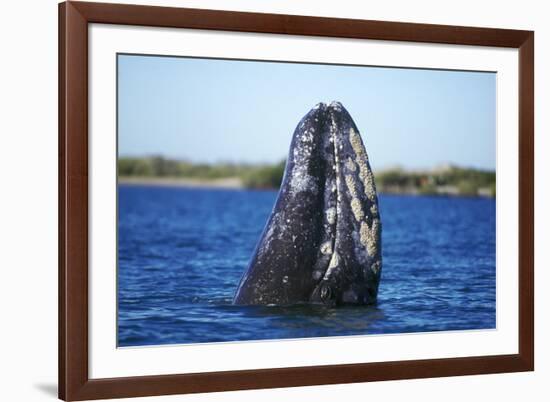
(263, 200)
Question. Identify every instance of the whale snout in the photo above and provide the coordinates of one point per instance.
(321, 243)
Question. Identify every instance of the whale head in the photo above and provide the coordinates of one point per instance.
(322, 241)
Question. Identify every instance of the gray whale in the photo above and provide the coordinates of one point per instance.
(322, 241)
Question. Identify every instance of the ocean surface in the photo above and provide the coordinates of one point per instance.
(182, 251)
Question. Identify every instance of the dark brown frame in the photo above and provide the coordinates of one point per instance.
(74, 17)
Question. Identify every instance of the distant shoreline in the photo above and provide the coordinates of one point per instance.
(235, 183)
(444, 180)
(227, 183)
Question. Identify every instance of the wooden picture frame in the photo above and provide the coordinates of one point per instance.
(74, 381)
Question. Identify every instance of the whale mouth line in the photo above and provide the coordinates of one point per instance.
(324, 289)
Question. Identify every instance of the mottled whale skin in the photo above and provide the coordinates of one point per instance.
(322, 241)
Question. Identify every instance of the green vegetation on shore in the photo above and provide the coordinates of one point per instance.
(449, 180)
(251, 176)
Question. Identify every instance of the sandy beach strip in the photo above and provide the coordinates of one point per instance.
(228, 183)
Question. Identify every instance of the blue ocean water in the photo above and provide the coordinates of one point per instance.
(181, 253)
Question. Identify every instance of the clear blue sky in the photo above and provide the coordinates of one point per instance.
(241, 111)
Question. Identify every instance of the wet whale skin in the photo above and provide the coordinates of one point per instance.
(322, 241)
